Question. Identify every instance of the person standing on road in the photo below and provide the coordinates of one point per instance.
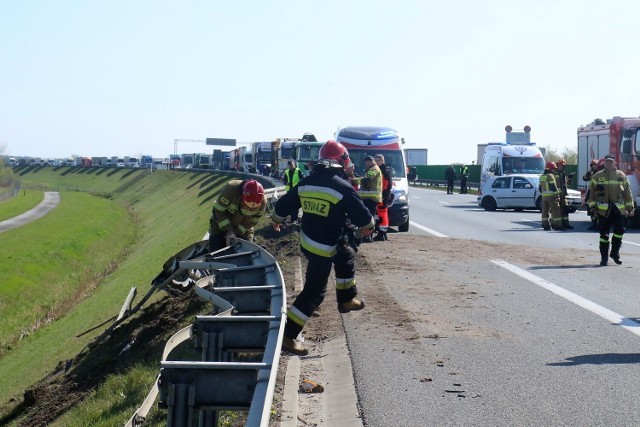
(563, 181)
(292, 176)
(593, 168)
(610, 196)
(383, 207)
(464, 175)
(450, 176)
(550, 198)
(238, 207)
(370, 187)
(327, 202)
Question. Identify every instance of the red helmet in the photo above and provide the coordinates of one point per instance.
(593, 162)
(334, 151)
(252, 194)
(551, 166)
(561, 162)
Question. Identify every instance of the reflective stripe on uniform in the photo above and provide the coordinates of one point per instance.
(225, 222)
(297, 316)
(219, 207)
(316, 247)
(322, 193)
(342, 284)
(242, 228)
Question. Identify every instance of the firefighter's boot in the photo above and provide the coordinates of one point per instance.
(353, 305)
(604, 253)
(293, 346)
(381, 236)
(616, 242)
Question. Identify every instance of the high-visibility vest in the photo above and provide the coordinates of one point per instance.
(548, 186)
(292, 181)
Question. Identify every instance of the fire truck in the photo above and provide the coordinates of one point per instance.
(616, 136)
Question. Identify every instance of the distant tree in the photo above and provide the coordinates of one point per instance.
(570, 155)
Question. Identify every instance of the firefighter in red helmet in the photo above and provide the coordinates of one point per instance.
(237, 209)
(327, 201)
(563, 180)
(550, 199)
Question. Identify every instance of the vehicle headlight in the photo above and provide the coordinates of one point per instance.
(401, 197)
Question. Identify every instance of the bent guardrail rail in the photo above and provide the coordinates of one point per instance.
(246, 288)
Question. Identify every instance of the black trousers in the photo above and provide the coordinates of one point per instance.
(449, 186)
(463, 185)
(315, 286)
(615, 220)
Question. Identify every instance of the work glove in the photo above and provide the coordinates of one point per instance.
(364, 231)
(229, 237)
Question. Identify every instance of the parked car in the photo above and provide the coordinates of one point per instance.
(518, 192)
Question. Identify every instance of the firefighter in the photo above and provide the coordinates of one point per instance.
(327, 202)
(610, 196)
(238, 207)
(593, 168)
(550, 198)
(370, 187)
(383, 211)
(563, 181)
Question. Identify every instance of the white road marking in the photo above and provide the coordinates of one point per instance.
(605, 313)
(444, 203)
(630, 243)
(428, 230)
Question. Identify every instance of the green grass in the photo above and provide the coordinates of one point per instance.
(20, 203)
(170, 210)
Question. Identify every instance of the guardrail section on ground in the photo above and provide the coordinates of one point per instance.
(246, 288)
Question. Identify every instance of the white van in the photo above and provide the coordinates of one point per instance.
(362, 141)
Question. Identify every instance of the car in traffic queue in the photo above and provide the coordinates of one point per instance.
(519, 192)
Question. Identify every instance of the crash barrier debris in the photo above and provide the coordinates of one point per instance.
(245, 286)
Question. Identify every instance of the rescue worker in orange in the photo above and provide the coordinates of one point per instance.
(550, 199)
(563, 181)
(593, 168)
(238, 208)
(383, 211)
(610, 196)
(327, 202)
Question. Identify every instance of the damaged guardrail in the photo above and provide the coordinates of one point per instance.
(245, 286)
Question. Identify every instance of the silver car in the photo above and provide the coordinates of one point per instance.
(518, 192)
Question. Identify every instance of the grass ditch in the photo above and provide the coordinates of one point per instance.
(20, 203)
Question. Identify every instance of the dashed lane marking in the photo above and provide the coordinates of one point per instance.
(428, 230)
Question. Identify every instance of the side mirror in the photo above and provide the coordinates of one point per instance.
(413, 174)
(626, 145)
(628, 133)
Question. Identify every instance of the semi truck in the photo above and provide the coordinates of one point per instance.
(362, 141)
(617, 136)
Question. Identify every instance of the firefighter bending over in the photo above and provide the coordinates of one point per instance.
(610, 196)
(327, 202)
(238, 207)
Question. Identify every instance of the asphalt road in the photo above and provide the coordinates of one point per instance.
(546, 341)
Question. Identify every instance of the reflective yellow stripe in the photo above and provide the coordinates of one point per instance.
(604, 240)
(619, 236)
(322, 193)
(297, 316)
(219, 207)
(316, 247)
(242, 228)
(225, 222)
(342, 284)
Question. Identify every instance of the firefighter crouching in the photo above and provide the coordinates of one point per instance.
(563, 181)
(238, 207)
(610, 196)
(327, 202)
(370, 186)
(550, 198)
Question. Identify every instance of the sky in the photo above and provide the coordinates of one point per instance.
(116, 78)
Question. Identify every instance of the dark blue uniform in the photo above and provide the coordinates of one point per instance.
(327, 201)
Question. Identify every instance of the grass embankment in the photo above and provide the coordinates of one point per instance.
(170, 210)
(20, 203)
